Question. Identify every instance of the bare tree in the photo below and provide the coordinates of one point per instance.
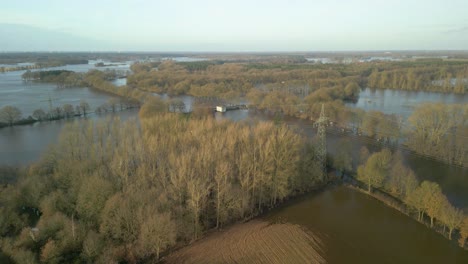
(84, 106)
(39, 114)
(10, 114)
(68, 110)
(451, 217)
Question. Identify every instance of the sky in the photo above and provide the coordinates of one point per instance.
(233, 26)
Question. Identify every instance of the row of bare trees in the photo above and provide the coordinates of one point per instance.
(386, 171)
(440, 78)
(112, 191)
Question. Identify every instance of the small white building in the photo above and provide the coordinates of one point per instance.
(221, 108)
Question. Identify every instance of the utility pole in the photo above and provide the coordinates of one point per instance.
(321, 124)
(50, 105)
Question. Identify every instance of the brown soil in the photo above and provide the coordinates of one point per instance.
(254, 242)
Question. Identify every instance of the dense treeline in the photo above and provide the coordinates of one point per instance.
(44, 63)
(228, 80)
(441, 131)
(111, 192)
(60, 77)
(387, 172)
(65, 78)
(451, 79)
(100, 80)
(216, 78)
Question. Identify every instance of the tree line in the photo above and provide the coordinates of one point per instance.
(11, 115)
(387, 172)
(44, 63)
(439, 78)
(112, 192)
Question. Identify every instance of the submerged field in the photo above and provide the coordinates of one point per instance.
(254, 242)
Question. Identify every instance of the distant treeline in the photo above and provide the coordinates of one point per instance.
(223, 79)
(53, 76)
(41, 63)
(451, 79)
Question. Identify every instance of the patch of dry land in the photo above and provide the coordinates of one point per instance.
(254, 242)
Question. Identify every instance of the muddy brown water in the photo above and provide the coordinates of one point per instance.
(356, 228)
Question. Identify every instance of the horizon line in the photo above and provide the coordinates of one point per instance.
(237, 52)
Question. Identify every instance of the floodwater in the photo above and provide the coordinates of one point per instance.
(29, 96)
(356, 228)
(402, 102)
(453, 180)
(24, 144)
(20, 145)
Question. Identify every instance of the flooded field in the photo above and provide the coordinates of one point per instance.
(337, 225)
(356, 228)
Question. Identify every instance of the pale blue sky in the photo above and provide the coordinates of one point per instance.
(242, 25)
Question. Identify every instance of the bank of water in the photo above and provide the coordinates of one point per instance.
(28, 96)
(20, 145)
(452, 179)
(401, 102)
(356, 228)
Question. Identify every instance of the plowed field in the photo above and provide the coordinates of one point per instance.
(254, 242)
